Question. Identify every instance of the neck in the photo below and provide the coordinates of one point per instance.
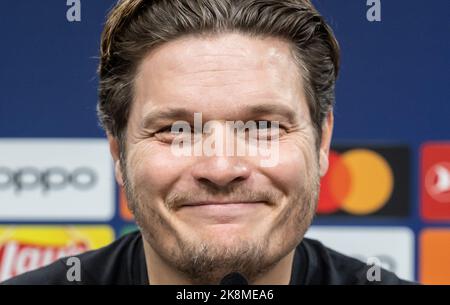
(160, 273)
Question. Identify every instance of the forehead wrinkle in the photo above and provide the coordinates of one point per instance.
(201, 49)
(276, 62)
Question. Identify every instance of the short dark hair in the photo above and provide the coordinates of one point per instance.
(134, 27)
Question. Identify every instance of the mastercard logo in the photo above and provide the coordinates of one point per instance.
(358, 182)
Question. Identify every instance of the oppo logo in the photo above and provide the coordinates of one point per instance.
(46, 180)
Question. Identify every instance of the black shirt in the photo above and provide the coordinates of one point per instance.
(123, 263)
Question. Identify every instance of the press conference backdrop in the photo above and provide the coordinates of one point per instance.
(385, 197)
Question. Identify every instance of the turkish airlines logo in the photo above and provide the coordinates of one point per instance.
(437, 182)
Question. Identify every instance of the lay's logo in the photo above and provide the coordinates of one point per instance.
(17, 258)
(366, 181)
(25, 248)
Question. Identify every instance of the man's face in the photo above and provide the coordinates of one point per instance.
(206, 216)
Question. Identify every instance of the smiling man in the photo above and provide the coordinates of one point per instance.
(204, 216)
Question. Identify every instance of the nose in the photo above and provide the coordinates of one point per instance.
(220, 171)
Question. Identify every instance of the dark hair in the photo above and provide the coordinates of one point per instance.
(134, 27)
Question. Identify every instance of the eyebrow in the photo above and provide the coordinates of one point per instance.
(272, 109)
(169, 114)
(179, 113)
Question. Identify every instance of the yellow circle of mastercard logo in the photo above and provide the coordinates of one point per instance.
(359, 181)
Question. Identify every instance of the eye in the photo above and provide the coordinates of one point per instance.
(169, 133)
(165, 129)
(266, 130)
(264, 124)
(273, 126)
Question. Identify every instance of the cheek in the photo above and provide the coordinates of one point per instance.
(153, 168)
(294, 167)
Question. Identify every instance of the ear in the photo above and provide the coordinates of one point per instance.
(114, 148)
(327, 132)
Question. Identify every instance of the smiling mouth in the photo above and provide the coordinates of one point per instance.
(221, 203)
(214, 212)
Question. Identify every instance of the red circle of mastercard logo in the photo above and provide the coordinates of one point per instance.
(358, 181)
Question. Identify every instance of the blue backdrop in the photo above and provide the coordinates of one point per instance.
(393, 86)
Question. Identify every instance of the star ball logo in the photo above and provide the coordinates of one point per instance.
(366, 181)
(435, 181)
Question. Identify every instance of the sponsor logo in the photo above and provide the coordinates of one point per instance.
(434, 263)
(56, 180)
(17, 258)
(393, 247)
(435, 181)
(366, 181)
(49, 179)
(25, 248)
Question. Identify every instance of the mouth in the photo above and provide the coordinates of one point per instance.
(222, 212)
(219, 203)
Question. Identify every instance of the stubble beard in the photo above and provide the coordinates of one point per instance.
(204, 262)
